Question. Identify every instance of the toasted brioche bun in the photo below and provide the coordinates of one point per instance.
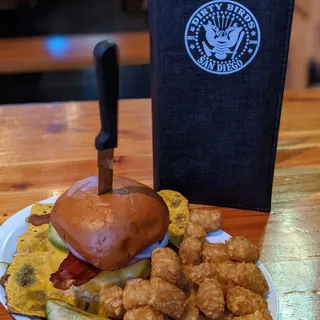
(109, 230)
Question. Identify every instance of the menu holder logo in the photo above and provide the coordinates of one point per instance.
(222, 37)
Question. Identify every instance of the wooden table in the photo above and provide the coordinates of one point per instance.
(46, 148)
(56, 53)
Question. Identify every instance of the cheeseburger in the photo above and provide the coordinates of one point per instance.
(102, 234)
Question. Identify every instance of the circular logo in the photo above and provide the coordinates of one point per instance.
(222, 37)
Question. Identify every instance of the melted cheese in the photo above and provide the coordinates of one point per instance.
(36, 253)
(34, 239)
(55, 257)
(25, 290)
(29, 271)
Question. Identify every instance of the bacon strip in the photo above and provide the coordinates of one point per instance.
(38, 220)
(73, 272)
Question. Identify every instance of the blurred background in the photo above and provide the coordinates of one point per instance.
(46, 48)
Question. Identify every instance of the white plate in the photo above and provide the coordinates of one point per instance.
(15, 226)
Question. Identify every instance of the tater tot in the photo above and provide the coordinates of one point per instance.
(189, 288)
(136, 294)
(194, 230)
(227, 271)
(186, 269)
(183, 281)
(209, 220)
(165, 264)
(167, 298)
(227, 315)
(197, 274)
(242, 250)
(258, 315)
(214, 252)
(246, 275)
(241, 301)
(190, 251)
(146, 313)
(111, 301)
(191, 311)
(249, 276)
(210, 299)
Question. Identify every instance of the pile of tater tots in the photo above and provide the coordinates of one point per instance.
(202, 281)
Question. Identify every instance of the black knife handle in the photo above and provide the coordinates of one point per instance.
(107, 73)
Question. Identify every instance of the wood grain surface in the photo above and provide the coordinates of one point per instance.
(54, 53)
(46, 148)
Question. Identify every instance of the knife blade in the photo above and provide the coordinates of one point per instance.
(107, 74)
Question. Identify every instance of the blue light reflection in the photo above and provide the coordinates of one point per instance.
(57, 46)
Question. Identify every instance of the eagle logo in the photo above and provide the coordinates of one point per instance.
(222, 37)
(222, 41)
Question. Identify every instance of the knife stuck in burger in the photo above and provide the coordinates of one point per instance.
(121, 223)
(107, 73)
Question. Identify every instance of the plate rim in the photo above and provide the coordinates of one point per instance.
(8, 223)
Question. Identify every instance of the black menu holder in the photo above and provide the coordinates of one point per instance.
(218, 75)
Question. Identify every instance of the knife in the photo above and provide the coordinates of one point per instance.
(107, 74)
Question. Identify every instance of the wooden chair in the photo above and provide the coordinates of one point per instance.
(304, 45)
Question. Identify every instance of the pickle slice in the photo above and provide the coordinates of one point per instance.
(56, 310)
(55, 239)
